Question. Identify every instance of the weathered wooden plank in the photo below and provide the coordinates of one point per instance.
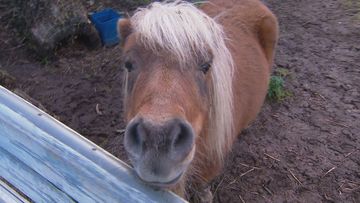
(70, 162)
(60, 164)
(8, 195)
(25, 178)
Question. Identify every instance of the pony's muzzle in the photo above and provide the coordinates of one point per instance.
(159, 152)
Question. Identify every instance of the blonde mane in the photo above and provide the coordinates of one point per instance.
(188, 33)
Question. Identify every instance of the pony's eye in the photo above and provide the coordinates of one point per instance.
(205, 67)
(129, 66)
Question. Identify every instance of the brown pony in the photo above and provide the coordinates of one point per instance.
(194, 79)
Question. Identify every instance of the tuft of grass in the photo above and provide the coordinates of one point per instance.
(45, 61)
(277, 91)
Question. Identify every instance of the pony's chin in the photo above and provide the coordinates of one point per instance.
(163, 185)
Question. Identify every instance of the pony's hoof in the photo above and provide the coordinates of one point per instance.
(203, 196)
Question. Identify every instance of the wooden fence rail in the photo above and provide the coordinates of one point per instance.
(45, 161)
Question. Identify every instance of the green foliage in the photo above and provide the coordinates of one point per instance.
(277, 91)
(44, 61)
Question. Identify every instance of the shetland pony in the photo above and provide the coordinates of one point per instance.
(195, 77)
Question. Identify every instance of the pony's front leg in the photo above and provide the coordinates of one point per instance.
(199, 184)
(196, 192)
(201, 194)
(179, 188)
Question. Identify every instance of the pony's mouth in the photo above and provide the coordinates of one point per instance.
(163, 184)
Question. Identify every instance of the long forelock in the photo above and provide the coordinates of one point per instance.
(187, 33)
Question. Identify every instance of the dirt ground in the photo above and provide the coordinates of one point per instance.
(303, 149)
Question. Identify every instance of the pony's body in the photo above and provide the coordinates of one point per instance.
(252, 32)
(183, 122)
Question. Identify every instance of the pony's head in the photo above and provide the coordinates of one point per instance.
(178, 89)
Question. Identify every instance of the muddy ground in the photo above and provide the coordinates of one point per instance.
(303, 149)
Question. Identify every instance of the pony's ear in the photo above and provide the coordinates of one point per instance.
(124, 28)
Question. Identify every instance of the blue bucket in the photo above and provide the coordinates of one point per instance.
(105, 22)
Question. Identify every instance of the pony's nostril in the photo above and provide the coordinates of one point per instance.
(183, 137)
(134, 136)
(180, 136)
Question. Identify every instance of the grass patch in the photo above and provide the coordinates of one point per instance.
(277, 91)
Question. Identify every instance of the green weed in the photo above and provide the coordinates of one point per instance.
(277, 91)
(44, 61)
